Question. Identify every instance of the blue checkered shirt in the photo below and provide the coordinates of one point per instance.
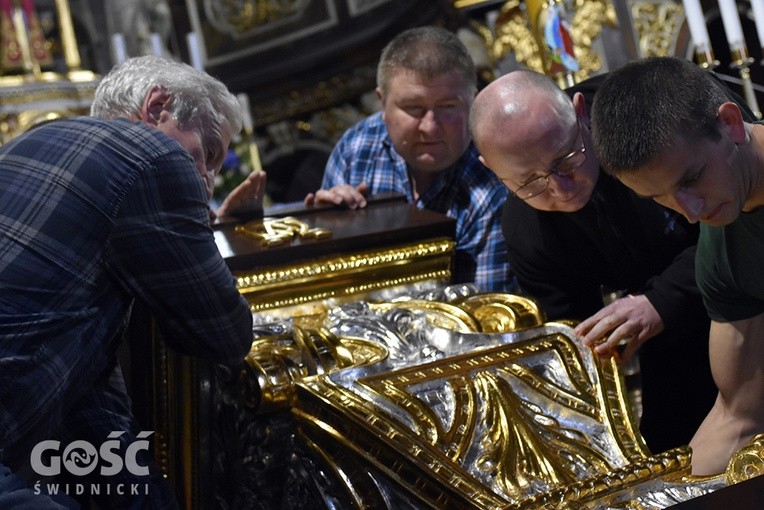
(467, 192)
(94, 215)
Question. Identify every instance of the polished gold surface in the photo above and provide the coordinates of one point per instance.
(25, 104)
(739, 57)
(420, 396)
(747, 462)
(278, 231)
(342, 276)
(497, 312)
(426, 399)
(530, 422)
(419, 392)
(279, 361)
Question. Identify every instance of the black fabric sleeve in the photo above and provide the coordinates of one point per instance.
(546, 271)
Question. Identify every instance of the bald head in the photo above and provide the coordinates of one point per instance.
(516, 100)
(526, 128)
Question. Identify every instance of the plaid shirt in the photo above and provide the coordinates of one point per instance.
(467, 192)
(95, 214)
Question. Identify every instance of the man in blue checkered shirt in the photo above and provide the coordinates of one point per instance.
(419, 145)
(96, 213)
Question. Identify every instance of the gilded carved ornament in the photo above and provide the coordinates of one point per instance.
(519, 31)
(657, 25)
(467, 413)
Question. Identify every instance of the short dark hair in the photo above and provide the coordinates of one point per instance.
(429, 51)
(640, 109)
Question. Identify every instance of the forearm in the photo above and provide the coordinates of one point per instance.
(737, 353)
(162, 252)
(674, 293)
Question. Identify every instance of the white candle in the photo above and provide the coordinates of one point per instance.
(758, 16)
(118, 47)
(156, 44)
(194, 51)
(249, 125)
(732, 27)
(697, 24)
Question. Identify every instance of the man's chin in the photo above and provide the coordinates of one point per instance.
(430, 165)
(572, 204)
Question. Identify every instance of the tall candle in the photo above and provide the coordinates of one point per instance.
(758, 16)
(194, 51)
(249, 125)
(697, 24)
(732, 27)
(118, 46)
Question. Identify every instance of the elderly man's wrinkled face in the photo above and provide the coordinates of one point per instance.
(208, 155)
(427, 118)
(549, 164)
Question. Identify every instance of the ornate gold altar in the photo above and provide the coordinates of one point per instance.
(39, 80)
(374, 383)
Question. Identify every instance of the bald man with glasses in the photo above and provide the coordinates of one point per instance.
(575, 236)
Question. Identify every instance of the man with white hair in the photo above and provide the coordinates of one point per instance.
(97, 213)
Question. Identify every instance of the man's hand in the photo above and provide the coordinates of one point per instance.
(631, 318)
(246, 197)
(344, 194)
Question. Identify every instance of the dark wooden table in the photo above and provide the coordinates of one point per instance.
(387, 221)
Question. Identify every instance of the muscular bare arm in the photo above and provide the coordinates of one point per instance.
(737, 364)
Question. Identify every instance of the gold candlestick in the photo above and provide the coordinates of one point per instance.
(254, 155)
(742, 61)
(705, 58)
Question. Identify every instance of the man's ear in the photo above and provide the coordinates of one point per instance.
(730, 119)
(381, 99)
(579, 103)
(156, 101)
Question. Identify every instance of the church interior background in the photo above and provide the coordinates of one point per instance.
(306, 69)
(315, 419)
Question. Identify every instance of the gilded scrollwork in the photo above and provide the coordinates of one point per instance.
(237, 17)
(747, 462)
(426, 405)
(516, 35)
(278, 231)
(657, 25)
(340, 276)
(515, 417)
(498, 313)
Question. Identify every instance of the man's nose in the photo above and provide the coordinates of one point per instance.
(690, 206)
(208, 178)
(429, 121)
(560, 184)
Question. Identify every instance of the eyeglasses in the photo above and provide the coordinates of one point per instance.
(562, 167)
